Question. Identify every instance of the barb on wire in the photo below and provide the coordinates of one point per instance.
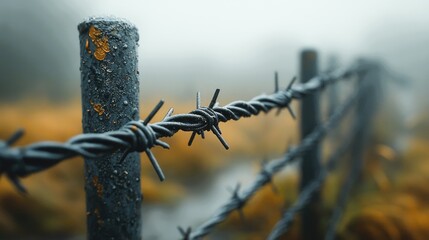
(276, 89)
(212, 120)
(141, 135)
(264, 177)
(186, 234)
(140, 127)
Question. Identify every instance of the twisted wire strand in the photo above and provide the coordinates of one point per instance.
(342, 199)
(238, 200)
(306, 195)
(141, 136)
(367, 107)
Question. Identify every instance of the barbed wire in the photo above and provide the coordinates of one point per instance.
(141, 136)
(361, 125)
(368, 106)
(306, 195)
(238, 200)
(342, 199)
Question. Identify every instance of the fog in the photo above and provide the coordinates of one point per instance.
(193, 45)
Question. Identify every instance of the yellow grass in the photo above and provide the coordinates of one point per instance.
(56, 201)
(391, 202)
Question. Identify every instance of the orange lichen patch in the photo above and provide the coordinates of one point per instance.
(94, 33)
(98, 186)
(99, 54)
(100, 42)
(87, 46)
(98, 108)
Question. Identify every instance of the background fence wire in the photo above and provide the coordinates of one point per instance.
(238, 200)
(141, 136)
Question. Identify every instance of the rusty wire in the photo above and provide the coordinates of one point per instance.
(141, 136)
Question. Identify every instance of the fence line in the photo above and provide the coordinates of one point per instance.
(237, 201)
(141, 136)
(368, 106)
(304, 197)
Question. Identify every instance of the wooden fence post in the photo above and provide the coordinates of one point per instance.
(310, 164)
(110, 96)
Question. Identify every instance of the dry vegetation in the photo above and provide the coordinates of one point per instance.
(391, 202)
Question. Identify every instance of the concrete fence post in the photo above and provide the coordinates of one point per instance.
(310, 164)
(110, 96)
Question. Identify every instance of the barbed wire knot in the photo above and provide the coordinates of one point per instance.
(144, 138)
(287, 94)
(211, 120)
(239, 200)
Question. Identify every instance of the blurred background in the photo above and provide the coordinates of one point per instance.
(192, 45)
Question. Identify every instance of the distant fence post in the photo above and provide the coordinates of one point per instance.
(364, 114)
(310, 164)
(110, 96)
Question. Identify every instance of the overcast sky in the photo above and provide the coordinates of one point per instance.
(232, 28)
(207, 44)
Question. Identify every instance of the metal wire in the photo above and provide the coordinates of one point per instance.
(141, 136)
(367, 107)
(306, 195)
(238, 200)
(361, 126)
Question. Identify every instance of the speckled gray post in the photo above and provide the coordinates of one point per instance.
(110, 94)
